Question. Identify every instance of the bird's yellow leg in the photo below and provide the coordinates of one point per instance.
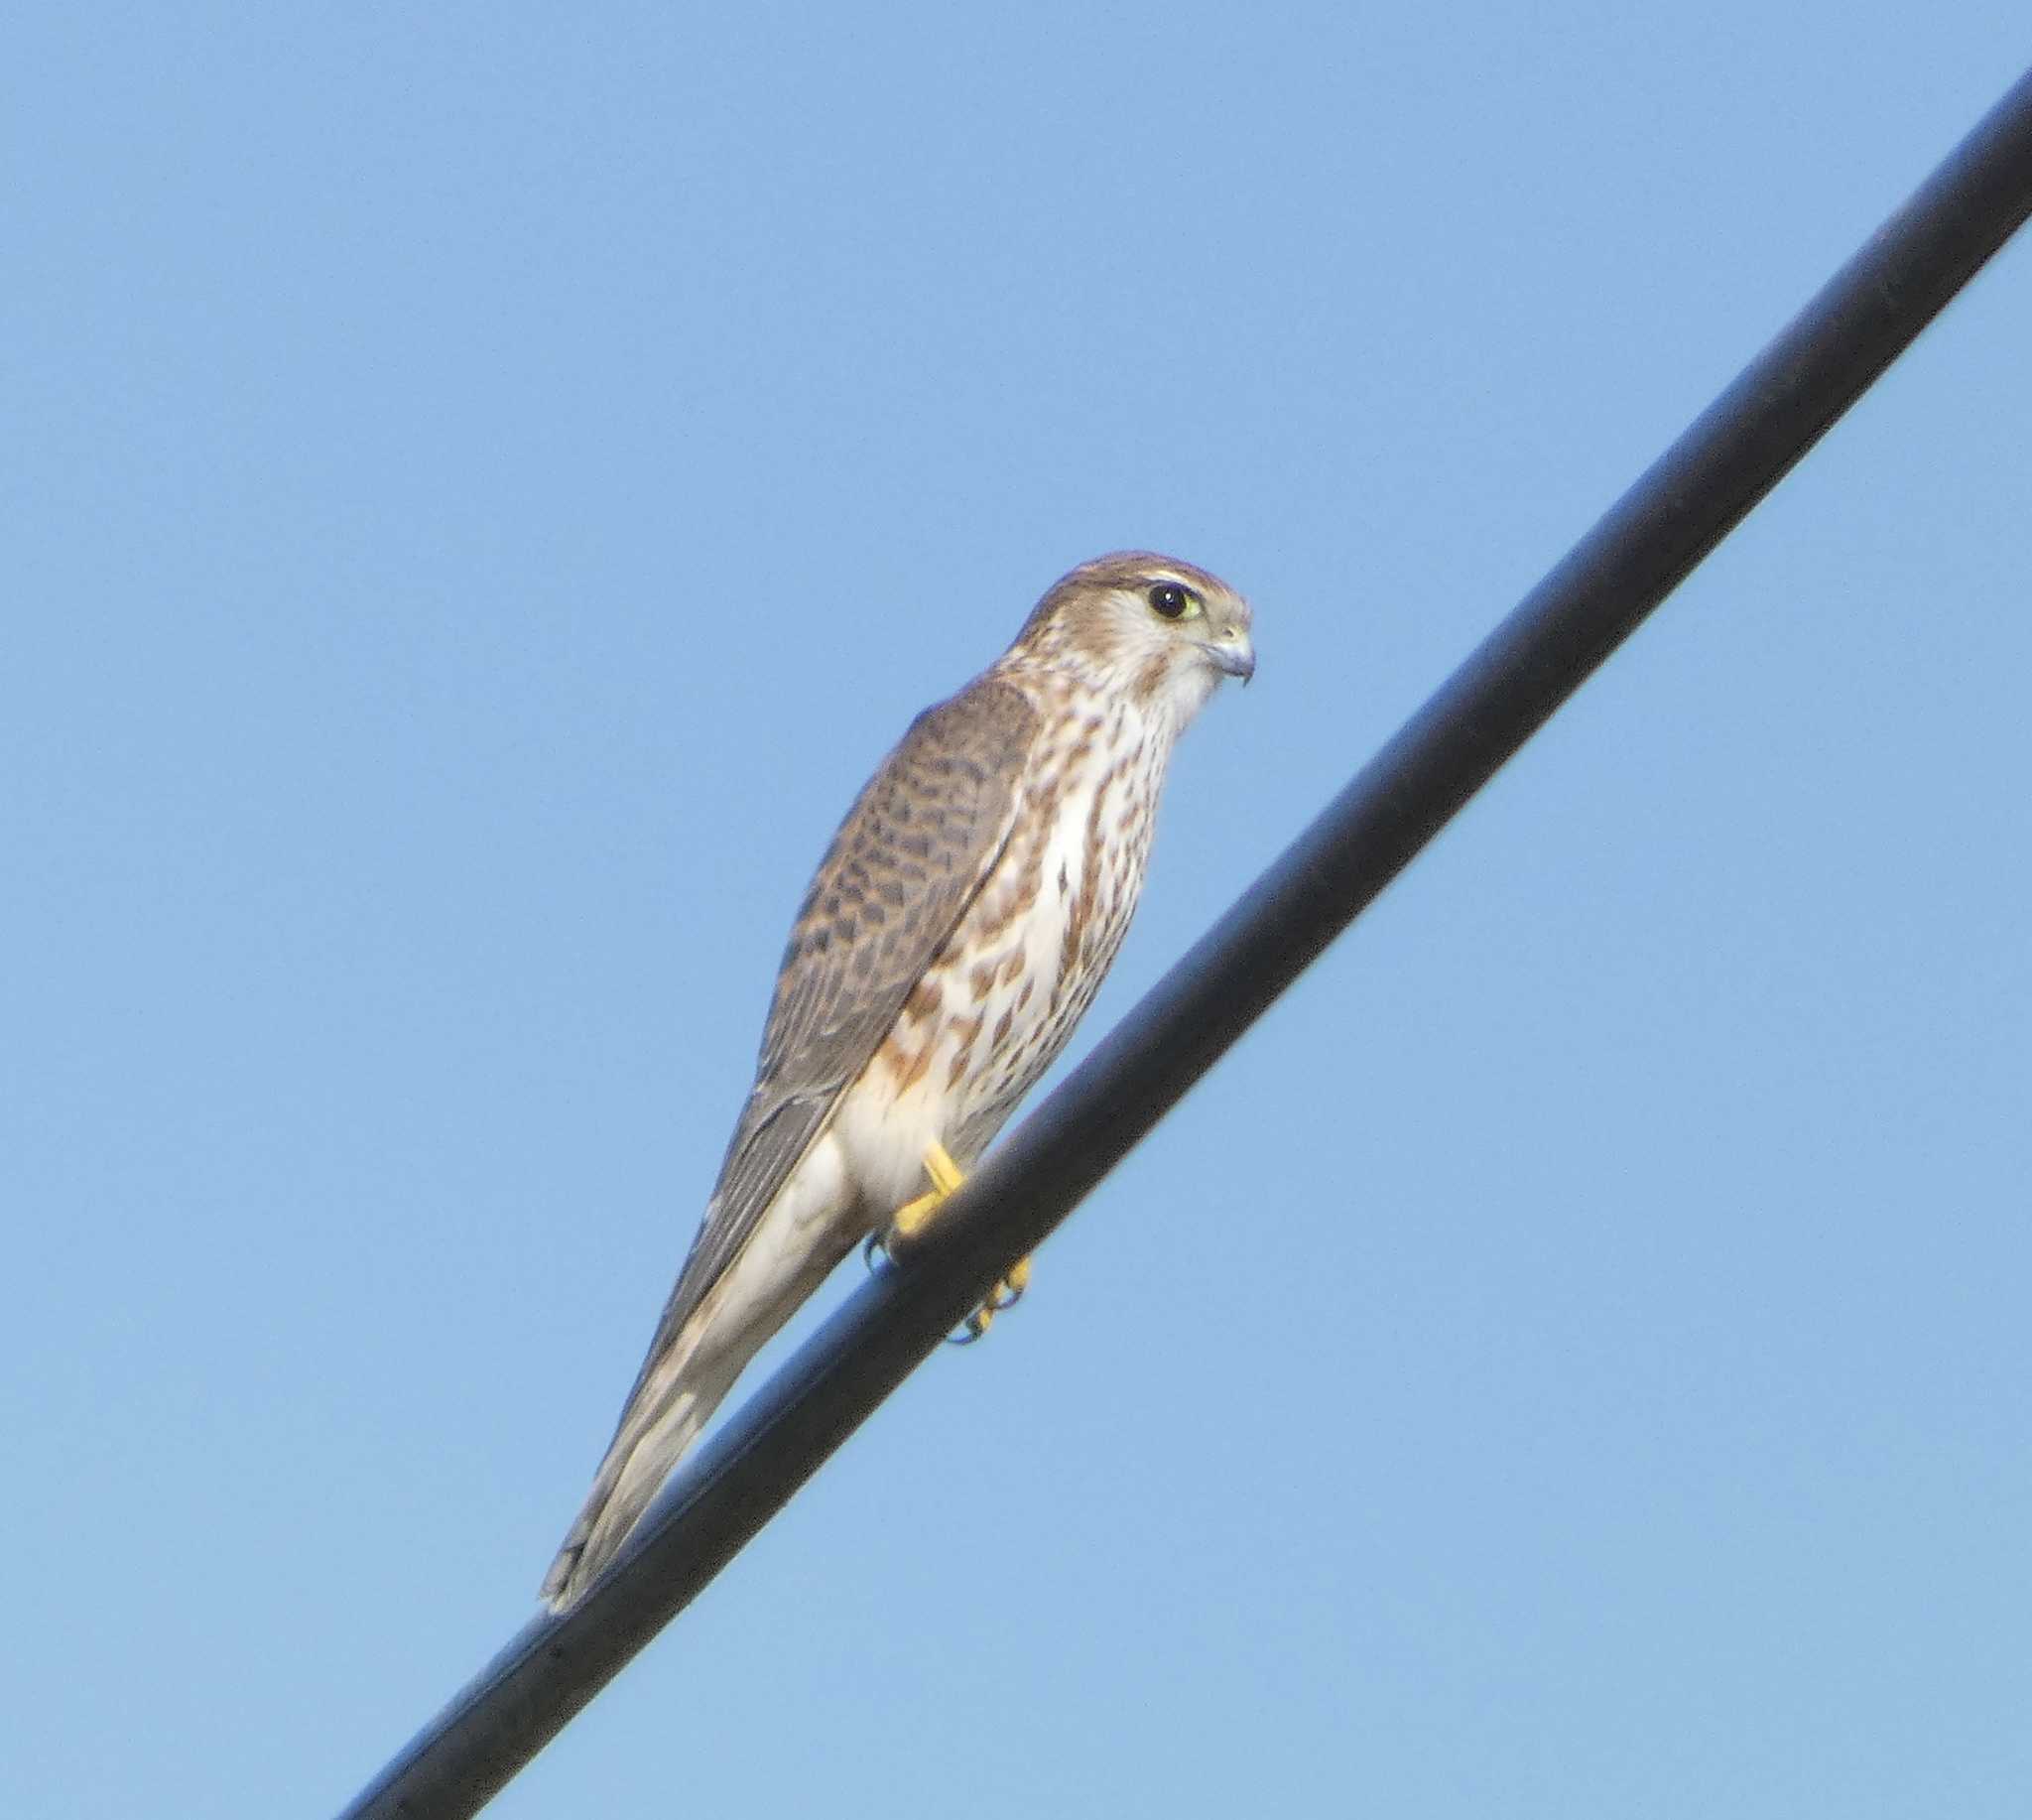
(913, 1216)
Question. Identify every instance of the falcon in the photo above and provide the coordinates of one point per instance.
(956, 930)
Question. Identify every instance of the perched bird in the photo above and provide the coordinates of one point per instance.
(956, 930)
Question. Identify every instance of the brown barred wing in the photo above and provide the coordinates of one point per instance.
(908, 859)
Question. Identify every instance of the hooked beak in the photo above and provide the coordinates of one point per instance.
(1232, 653)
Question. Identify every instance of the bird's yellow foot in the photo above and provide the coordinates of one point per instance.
(914, 1217)
(1005, 1294)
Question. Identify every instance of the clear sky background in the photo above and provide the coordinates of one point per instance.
(482, 486)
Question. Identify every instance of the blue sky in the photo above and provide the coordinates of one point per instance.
(485, 485)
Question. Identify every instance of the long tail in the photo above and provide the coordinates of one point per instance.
(718, 1317)
(662, 1420)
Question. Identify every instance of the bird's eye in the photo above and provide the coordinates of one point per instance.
(1170, 601)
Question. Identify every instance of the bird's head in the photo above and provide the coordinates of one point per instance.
(1157, 629)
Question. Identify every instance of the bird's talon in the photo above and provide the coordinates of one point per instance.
(1005, 1294)
(973, 1327)
(1009, 1291)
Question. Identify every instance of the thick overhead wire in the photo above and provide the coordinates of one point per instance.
(1642, 548)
